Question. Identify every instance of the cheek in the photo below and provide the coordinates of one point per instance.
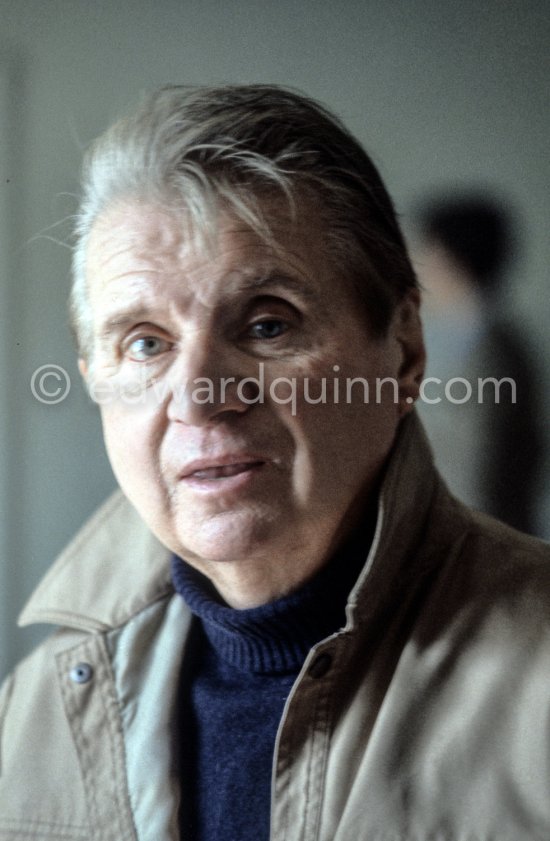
(130, 445)
(339, 451)
(342, 421)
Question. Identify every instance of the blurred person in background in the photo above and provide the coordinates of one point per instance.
(489, 448)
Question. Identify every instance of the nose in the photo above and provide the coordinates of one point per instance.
(210, 382)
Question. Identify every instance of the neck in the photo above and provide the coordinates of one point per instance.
(254, 582)
(282, 566)
(249, 584)
(276, 636)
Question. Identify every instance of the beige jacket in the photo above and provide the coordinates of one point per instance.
(426, 719)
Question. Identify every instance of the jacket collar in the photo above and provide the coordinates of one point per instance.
(413, 528)
(115, 567)
(112, 569)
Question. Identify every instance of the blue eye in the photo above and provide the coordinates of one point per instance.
(270, 328)
(147, 347)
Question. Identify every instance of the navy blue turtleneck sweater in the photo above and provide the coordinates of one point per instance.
(234, 687)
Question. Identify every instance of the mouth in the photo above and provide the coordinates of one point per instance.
(217, 470)
(223, 471)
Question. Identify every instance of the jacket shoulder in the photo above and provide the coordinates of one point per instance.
(501, 551)
(109, 572)
(492, 577)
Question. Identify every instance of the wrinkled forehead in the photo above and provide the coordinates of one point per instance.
(132, 227)
(159, 234)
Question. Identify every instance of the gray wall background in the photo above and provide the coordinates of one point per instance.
(441, 93)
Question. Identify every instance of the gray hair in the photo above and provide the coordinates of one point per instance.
(204, 148)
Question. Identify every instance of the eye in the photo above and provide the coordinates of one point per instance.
(147, 347)
(269, 328)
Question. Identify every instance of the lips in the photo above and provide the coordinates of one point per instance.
(223, 471)
(220, 468)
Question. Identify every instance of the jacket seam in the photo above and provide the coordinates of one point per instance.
(61, 830)
(317, 769)
(81, 747)
(116, 743)
(93, 649)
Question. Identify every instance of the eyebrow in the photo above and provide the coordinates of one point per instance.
(260, 282)
(254, 282)
(122, 319)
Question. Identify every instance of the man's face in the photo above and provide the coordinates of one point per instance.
(252, 482)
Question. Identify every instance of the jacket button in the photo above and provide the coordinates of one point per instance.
(81, 673)
(320, 665)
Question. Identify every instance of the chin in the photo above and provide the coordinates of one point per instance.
(225, 538)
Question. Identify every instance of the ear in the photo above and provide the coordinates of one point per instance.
(408, 332)
(83, 368)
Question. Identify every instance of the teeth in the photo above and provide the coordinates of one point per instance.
(222, 471)
(210, 473)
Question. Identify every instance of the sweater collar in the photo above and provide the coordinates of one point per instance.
(276, 637)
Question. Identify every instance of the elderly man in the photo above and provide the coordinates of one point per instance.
(284, 627)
